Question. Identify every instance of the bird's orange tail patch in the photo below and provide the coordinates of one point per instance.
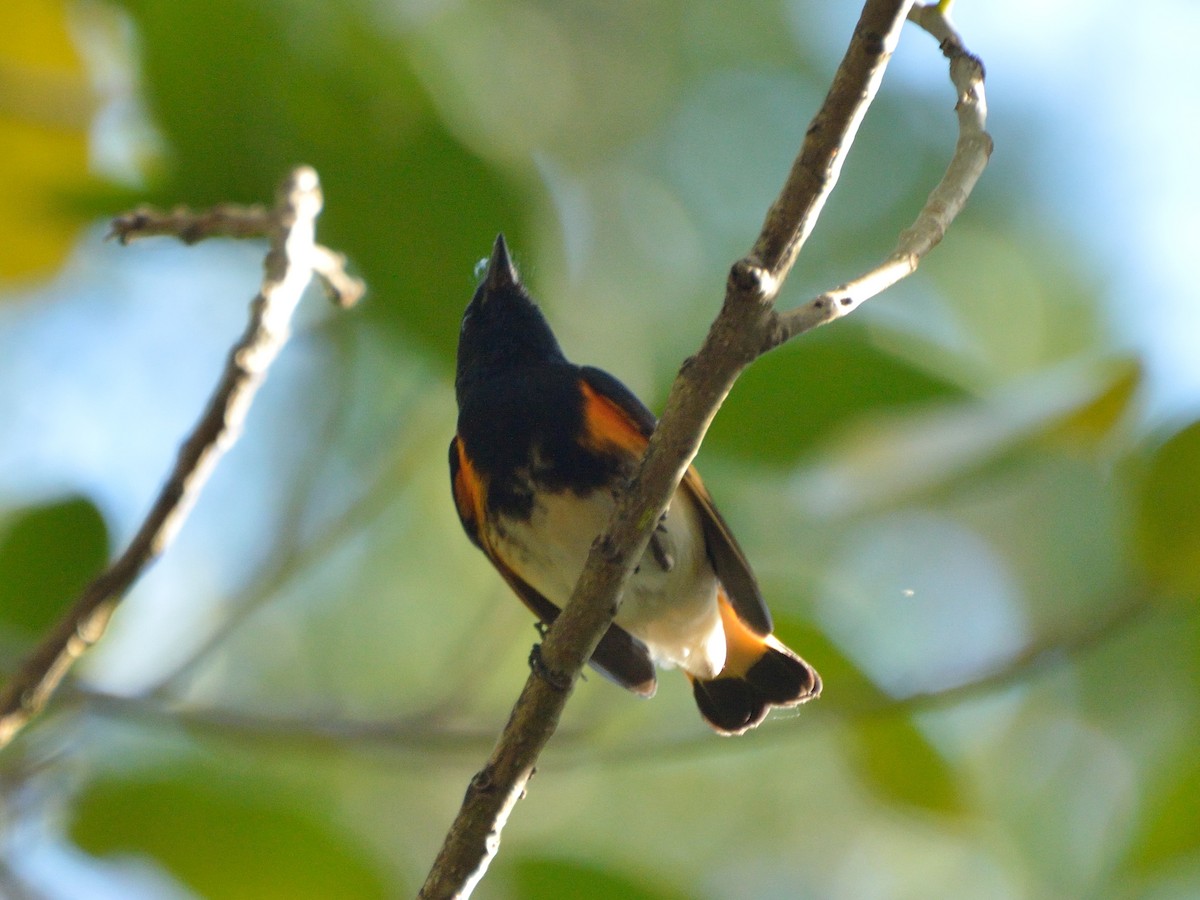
(760, 672)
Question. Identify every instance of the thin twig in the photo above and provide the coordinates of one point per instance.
(746, 327)
(814, 174)
(419, 736)
(291, 556)
(289, 267)
(191, 226)
(231, 220)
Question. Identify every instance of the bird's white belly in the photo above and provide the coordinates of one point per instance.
(672, 610)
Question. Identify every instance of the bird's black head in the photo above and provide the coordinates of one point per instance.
(502, 328)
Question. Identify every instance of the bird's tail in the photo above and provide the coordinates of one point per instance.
(760, 672)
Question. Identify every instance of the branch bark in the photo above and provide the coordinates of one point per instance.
(746, 327)
(290, 264)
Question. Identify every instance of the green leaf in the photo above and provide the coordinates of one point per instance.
(542, 879)
(793, 398)
(1172, 824)
(1021, 305)
(894, 758)
(47, 554)
(1095, 419)
(902, 767)
(225, 835)
(1168, 527)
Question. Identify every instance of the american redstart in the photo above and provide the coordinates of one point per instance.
(542, 448)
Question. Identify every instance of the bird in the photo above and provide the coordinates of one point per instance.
(541, 451)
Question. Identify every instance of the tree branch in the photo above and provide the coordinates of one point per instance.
(746, 327)
(291, 262)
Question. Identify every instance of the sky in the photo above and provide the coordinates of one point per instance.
(1115, 159)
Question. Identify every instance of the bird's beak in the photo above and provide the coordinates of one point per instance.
(500, 272)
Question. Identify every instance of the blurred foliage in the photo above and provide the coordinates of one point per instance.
(1168, 538)
(243, 838)
(816, 381)
(282, 83)
(560, 878)
(899, 761)
(45, 107)
(47, 555)
(950, 499)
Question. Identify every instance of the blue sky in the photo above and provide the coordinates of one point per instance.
(1112, 90)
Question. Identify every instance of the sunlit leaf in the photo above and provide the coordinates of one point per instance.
(1095, 419)
(45, 109)
(1168, 526)
(47, 554)
(225, 835)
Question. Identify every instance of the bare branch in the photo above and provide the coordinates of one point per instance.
(746, 327)
(231, 220)
(289, 267)
(224, 220)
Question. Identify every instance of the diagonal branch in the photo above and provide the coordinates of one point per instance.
(746, 327)
(289, 266)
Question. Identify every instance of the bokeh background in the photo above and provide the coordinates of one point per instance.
(974, 505)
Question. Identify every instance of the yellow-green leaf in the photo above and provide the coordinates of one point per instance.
(1168, 523)
(45, 108)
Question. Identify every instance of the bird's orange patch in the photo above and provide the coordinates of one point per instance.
(468, 491)
(608, 426)
(743, 648)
